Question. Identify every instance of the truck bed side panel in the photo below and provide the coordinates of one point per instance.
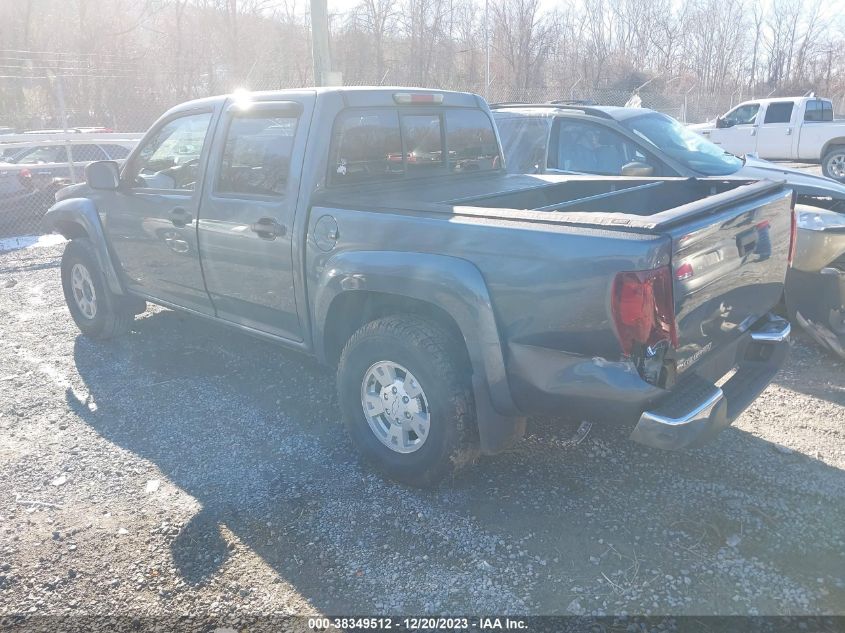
(549, 285)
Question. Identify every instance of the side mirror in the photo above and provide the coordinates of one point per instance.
(637, 168)
(103, 174)
(721, 123)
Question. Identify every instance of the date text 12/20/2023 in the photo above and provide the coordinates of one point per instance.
(415, 624)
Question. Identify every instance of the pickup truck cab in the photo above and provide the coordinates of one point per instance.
(801, 129)
(377, 230)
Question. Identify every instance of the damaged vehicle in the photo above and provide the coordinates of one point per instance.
(453, 301)
(613, 141)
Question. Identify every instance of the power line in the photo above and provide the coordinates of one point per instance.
(30, 52)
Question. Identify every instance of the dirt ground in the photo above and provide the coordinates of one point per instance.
(187, 469)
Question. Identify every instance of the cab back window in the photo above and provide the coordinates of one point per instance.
(383, 144)
(471, 141)
(366, 146)
(422, 135)
(818, 110)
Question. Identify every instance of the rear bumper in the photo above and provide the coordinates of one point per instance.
(698, 410)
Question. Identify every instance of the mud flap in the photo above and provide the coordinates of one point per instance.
(496, 432)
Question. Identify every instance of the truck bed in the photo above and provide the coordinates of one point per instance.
(726, 241)
(630, 203)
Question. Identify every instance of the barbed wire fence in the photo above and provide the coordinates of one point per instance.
(105, 105)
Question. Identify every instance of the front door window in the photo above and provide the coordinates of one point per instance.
(170, 158)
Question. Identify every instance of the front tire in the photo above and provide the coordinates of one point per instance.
(833, 163)
(96, 310)
(406, 400)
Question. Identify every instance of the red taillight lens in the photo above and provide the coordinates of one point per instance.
(684, 271)
(644, 309)
(793, 236)
(25, 177)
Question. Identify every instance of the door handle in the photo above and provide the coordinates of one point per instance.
(788, 131)
(754, 131)
(180, 217)
(268, 228)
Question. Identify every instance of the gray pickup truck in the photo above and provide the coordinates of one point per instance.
(377, 230)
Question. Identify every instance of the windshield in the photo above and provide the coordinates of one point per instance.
(684, 145)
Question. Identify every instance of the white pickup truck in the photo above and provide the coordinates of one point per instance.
(800, 129)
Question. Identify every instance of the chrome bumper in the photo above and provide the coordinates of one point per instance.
(776, 330)
(697, 410)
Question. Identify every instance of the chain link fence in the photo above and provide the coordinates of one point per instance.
(105, 116)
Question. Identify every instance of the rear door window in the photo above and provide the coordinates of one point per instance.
(87, 153)
(256, 157)
(593, 149)
(525, 140)
(43, 154)
(780, 112)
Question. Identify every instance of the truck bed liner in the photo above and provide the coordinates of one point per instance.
(636, 204)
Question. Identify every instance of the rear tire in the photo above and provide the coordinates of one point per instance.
(419, 418)
(833, 163)
(96, 310)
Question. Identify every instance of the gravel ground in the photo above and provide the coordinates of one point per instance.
(187, 469)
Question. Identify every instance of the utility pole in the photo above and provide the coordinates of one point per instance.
(487, 50)
(320, 42)
(60, 97)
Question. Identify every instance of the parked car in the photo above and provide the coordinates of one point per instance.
(31, 175)
(551, 139)
(22, 203)
(453, 302)
(56, 152)
(800, 129)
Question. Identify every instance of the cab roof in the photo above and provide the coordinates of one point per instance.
(353, 96)
(616, 113)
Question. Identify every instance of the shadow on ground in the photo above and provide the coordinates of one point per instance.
(253, 434)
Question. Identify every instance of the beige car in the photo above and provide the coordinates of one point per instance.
(816, 282)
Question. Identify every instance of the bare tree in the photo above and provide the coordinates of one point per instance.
(123, 61)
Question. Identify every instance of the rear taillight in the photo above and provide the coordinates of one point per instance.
(643, 309)
(684, 271)
(793, 235)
